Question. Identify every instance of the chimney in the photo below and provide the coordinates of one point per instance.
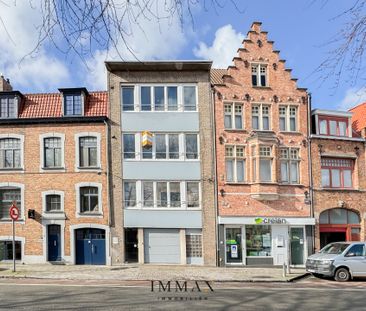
(5, 85)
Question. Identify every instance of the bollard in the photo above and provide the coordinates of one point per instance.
(284, 270)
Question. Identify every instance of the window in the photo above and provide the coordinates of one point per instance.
(52, 152)
(233, 118)
(193, 195)
(6, 250)
(10, 153)
(259, 75)
(191, 144)
(168, 194)
(339, 216)
(189, 98)
(88, 151)
(288, 118)
(357, 250)
(129, 146)
(265, 163)
(235, 163)
(8, 108)
(258, 240)
(260, 117)
(7, 197)
(89, 200)
(129, 193)
(173, 140)
(53, 203)
(336, 172)
(73, 104)
(289, 163)
(172, 98)
(333, 126)
(145, 98)
(128, 98)
(193, 245)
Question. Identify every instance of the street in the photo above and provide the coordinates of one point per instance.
(307, 294)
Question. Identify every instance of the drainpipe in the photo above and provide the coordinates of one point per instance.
(213, 124)
(310, 165)
(108, 163)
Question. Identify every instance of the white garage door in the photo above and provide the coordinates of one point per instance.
(162, 246)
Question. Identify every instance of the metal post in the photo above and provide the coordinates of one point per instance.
(13, 222)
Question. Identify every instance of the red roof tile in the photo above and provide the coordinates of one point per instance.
(359, 117)
(49, 105)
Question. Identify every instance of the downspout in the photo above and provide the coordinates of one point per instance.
(107, 149)
(310, 165)
(213, 123)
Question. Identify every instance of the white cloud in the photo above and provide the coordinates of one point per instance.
(353, 97)
(39, 71)
(220, 52)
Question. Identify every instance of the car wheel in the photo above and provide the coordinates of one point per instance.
(342, 275)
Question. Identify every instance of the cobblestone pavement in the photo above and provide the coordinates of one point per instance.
(148, 272)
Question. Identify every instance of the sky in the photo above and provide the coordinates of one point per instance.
(301, 30)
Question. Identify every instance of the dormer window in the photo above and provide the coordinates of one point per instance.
(332, 126)
(8, 107)
(74, 100)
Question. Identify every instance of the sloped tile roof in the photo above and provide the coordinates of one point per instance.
(216, 76)
(359, 117)
(49, 105)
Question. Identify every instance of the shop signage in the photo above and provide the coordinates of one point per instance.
(267, 220)
(234, 251)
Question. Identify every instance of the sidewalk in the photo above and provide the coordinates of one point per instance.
(148, 272)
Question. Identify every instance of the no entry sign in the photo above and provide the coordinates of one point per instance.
(14, 212)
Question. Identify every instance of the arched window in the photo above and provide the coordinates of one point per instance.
(339, 216)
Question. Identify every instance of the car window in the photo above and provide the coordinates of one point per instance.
(356, 250)
(334, 248)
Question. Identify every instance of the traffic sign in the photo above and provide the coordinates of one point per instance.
(14, 212)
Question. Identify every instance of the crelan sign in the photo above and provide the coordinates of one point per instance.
(269, 221)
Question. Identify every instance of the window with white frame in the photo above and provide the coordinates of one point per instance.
(288, 118)
(89, 200)
(289, 163)
(88, 151)
(233, 118)
(53, 203)
(8, 108)
(129, 146)
(259, 75)
(130, 193)
(6, 250)
(128, 98)
(261, 117)
(191, 143)
(162, 194)
(52, 152)
(265, 163)
(235, 163)
(10, 153)
(8, 195)
(160, 98)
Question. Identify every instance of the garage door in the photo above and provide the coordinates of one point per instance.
(162, 246)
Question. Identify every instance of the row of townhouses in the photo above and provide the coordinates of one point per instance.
(180, 163)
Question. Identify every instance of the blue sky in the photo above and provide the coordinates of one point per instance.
(299, 28)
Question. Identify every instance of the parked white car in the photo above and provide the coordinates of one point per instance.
(341, 260)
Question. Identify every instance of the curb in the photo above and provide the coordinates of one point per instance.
(299, 277)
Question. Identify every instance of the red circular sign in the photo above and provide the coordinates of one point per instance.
(14, 212)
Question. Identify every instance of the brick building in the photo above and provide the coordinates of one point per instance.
(53, 164)
(339, 180)
(162, 145)
(264, 211)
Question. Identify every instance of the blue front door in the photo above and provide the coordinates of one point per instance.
(90, 247)
(54, 243)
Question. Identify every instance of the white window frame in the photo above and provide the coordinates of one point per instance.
(78, 212)
(77, 136)
(288, 161)
(233, 114)
(260, 116)
(288, 118)
(180, 97)
(42, 137)
(82, 96)
(258, 74)
(235, 159)
(5, 238)
(16, 106)
(22, 200)
(21, 168)
(265, 157)
(44, 202)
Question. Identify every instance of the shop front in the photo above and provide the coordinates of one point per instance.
(265, 240)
